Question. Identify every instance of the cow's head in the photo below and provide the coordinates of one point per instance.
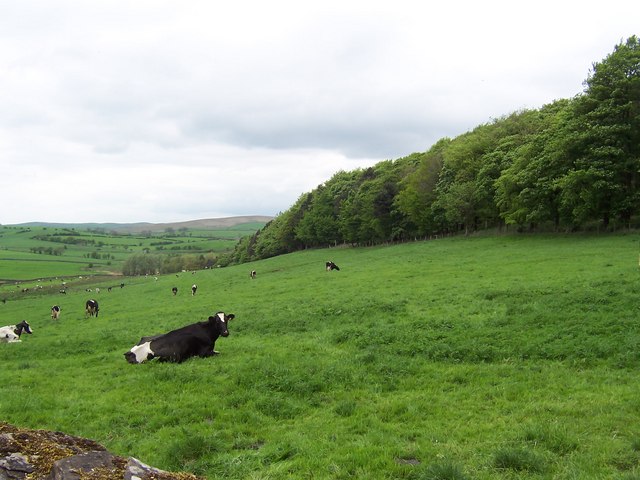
(23, 327)
(221, 320)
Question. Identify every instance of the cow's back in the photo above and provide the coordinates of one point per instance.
(180, 346)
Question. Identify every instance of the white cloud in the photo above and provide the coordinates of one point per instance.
(173, 110)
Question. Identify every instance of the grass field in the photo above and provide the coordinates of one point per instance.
(45, 256)
(506, 357)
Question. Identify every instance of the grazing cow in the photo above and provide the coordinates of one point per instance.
(64, 291)
(197, 339)
(331, 266)
(91, 308)
(194, 287)
(11, 333)
(55, 312)
(252, 274)
(174, 290)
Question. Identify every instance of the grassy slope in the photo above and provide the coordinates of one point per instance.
(20, 263)
(505, 357)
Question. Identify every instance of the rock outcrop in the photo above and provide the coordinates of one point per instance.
(45, 455)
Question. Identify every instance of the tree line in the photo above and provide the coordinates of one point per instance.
(69, 240)
(47, 250)
(147, 264)
(572, 164)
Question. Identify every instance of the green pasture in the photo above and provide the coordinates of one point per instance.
(505, 357)
(16, 267)
(73, 252)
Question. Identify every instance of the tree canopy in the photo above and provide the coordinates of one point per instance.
(571, 164)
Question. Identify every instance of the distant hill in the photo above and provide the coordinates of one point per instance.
(156, 227)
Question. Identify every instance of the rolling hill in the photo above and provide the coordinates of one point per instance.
(155, 227)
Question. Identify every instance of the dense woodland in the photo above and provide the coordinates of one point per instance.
(570, 165)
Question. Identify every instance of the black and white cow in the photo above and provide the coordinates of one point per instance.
(197, 339)
(252, 274)
(55, 312)
(174, 290)
(11, 333)
(331, 266)
(194, 287)
(91, 308)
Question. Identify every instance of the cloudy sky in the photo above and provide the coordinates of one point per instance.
(172, 110)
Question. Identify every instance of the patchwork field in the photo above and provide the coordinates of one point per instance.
(506, 357)
(43, 257)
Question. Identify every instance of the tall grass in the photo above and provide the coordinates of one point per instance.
(504, 357)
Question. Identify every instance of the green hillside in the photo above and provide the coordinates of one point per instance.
(72, 251)
(572, 165)
(504, 357)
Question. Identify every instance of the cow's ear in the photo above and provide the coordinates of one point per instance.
(231, 316)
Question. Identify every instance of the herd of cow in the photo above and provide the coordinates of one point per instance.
(195, 340)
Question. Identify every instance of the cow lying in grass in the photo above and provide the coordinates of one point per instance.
(195, 340)
(11, 333)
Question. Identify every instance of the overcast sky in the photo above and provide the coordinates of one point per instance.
(163, 111)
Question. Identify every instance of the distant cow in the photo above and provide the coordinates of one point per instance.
(11, 333)
(55, 312)
(252, 274)
(331, 266)
(194, 287)
(174, 290)
(197, 339)
(91, 308)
